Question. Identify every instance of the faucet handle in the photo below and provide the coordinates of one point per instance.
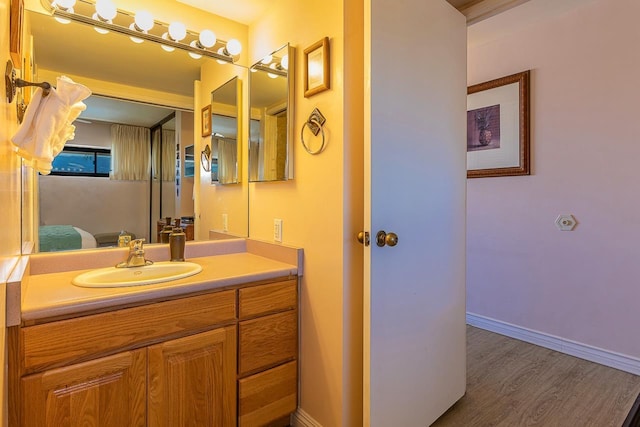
(136, 244)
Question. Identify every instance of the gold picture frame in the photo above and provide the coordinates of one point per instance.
(498, 141)
(206, 120)
(16, 16)
(316, 68)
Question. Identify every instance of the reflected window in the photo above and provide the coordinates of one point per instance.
(82, 161)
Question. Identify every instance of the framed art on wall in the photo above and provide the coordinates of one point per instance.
(316, 68)
(206, 120)
(498, 127)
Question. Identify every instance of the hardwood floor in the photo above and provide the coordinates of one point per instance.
(511, 383)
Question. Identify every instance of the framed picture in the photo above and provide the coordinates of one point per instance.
(316, 68)
(16, 16)
(498, 127)
(206, 120)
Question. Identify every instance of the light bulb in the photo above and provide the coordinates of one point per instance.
(98, 29)
(273, 67)
(207, 38)
(64, 4)
(221, 52)
(267, 59)
(193, 54)
(144, 20)
(134, 39)
(234, 47)
(177, 31)
(165, 47)
(285, 62)
(106, 10)
(63, 20)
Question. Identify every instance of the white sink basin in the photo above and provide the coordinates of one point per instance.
(112, 277)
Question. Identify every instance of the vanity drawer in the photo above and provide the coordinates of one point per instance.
(258, 300)
(268, 396)
(69, 341)
(267, 341)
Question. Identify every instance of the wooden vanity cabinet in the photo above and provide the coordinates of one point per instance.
(110, 391)
(166, 363)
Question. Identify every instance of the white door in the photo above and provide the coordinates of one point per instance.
(415, 187)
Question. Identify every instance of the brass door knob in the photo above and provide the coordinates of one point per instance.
(388, 239)
(363, 237)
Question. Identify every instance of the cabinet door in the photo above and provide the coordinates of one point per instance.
(110, 391)
(192, 380)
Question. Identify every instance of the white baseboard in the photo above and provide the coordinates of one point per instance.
(301, 419)
(583, 351)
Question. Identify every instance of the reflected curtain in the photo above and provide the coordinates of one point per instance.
(167, 154)
(270, 147)
(130, 153)
(227, 160)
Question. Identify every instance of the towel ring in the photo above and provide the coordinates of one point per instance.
(314, 122)
(315, 128)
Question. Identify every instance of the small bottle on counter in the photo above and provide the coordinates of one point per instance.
(165, 233)
(177, 240)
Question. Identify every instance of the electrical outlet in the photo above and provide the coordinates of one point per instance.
(225, 222)
(277, 230)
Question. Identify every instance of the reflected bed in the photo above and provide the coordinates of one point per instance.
(64, 238)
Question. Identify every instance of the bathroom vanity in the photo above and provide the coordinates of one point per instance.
(215, 349)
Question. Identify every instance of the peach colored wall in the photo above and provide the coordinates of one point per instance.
(312, 207)
(580, 285)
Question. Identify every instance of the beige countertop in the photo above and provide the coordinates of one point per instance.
(51, 294)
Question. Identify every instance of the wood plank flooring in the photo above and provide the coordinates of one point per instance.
(511, 383)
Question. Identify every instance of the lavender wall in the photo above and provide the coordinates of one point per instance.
(581, 285)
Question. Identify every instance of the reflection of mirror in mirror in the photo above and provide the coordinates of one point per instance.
(224, 133)
(117, 72)
(270, 127)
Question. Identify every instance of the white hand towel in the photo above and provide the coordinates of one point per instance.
(47, 123)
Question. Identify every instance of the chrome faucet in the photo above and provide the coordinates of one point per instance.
(136, 255)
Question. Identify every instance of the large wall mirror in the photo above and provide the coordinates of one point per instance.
(224, 133)
(271, 117)
(156, 92)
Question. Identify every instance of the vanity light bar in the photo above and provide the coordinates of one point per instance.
(262, 67)
(89, 20)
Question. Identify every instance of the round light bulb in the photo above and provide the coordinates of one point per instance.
(165, 47)
(134, 39)
(106, 10)
(273, 67)
(234, 47)
(267, 59)
(144, 20)
(193, 54)
(177, 31)
(98, 29)
(63, 20)
(285, 62)
(64, 4)
(207, 38)
(221, 52)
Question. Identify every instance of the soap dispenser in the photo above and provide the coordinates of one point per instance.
(165, 233)
(177, 240)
